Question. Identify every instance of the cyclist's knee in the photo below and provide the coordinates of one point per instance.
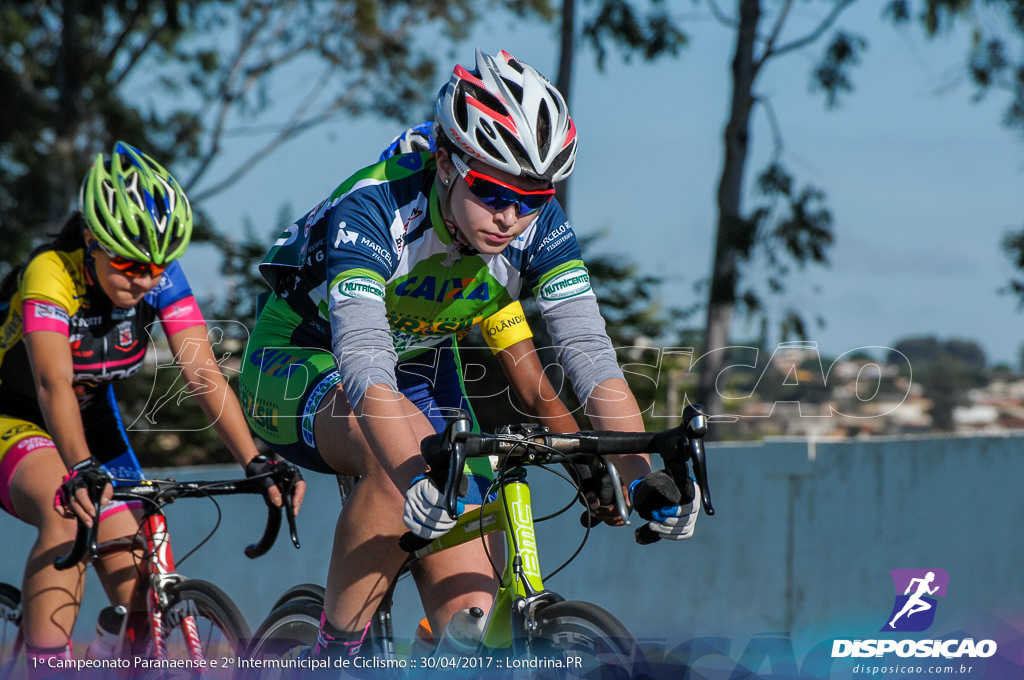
(33, 486)
(383, 491)
(56, 531)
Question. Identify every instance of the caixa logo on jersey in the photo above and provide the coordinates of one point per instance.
(913, 611)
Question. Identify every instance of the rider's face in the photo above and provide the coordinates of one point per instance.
(123, 290)
(483, 228)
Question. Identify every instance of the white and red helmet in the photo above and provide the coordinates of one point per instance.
(510, 117)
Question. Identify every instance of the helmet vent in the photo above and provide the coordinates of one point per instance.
(517, 120)
(486, 144)
(544, 129)
(515, 88)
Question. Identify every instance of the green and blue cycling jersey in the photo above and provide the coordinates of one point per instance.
(371, 280)
(380, 236)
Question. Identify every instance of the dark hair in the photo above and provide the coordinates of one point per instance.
(70, 237)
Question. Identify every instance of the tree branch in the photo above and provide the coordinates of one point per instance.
(298, 122)
(840, 7)
(136, 54)
(718, 14)
(776, 31)
(773, 123)
(226, 98)
(248, 164)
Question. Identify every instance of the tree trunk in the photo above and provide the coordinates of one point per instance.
(63, 158)
(564, 82)
(732, 227)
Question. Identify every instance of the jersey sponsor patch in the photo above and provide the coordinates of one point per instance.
(42, 316)
(568, 284)
(360, 287)
(312, 406)
(45, 311)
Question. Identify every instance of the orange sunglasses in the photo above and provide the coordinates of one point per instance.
(133, 269)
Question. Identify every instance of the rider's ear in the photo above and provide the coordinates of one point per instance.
(445, 167)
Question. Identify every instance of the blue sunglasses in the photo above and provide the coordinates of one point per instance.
(498, 195)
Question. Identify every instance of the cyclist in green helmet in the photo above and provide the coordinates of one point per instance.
(135, 209)
(74, 321)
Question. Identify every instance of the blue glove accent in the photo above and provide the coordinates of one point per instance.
(632, 485)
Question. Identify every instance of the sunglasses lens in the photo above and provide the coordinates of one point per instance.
(133, 269)
(499, 197)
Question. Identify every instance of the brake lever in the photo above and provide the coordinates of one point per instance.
(289, 514)
(96, 495)
(620, 498)
(696, 427)
(457, 462)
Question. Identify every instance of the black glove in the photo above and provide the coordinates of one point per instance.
(597, 484)
(271, 470)
(653, 492)
(85, 474)
(670, 511)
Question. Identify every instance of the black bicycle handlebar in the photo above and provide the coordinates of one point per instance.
(162, 492)
(679, 447)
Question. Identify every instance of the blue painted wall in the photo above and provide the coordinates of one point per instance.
(803, 542)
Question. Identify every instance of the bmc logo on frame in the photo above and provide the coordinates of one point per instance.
(914, 611)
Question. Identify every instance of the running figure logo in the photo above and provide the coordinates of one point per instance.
(914, 610)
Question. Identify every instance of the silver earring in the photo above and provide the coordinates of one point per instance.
(445, 181)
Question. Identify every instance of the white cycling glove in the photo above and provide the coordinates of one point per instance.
(653, 497)
(425, 514)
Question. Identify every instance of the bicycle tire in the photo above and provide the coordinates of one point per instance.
(582, 640)
(289, 629)
(303, 591)
(222, 628)
(10, 629)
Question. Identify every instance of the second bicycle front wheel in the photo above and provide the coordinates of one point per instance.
(289, 630)
(582, 640)
(10, 629)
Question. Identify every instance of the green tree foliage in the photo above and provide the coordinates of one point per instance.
(182, 79)
(945, 369)
(644, 28)
(791, 227)
(994, 63)
(994, 60)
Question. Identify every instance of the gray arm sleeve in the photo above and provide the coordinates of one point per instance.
(584, 350)
(362, 345)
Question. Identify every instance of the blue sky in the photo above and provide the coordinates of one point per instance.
(922, 182)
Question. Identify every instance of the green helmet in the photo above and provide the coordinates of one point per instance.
(134, 207)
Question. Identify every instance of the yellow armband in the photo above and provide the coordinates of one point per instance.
(506, 327)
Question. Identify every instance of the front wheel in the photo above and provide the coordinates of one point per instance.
(290, 629)
(581, 640)
(10, 629)
(201, 622)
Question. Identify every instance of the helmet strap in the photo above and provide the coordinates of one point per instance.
(90, 263)
(444, 194)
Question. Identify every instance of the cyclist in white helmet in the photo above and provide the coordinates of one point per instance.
(371, 286)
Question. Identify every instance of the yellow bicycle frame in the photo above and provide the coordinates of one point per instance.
(517, 523)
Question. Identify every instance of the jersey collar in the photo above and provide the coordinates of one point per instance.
(436, 220)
